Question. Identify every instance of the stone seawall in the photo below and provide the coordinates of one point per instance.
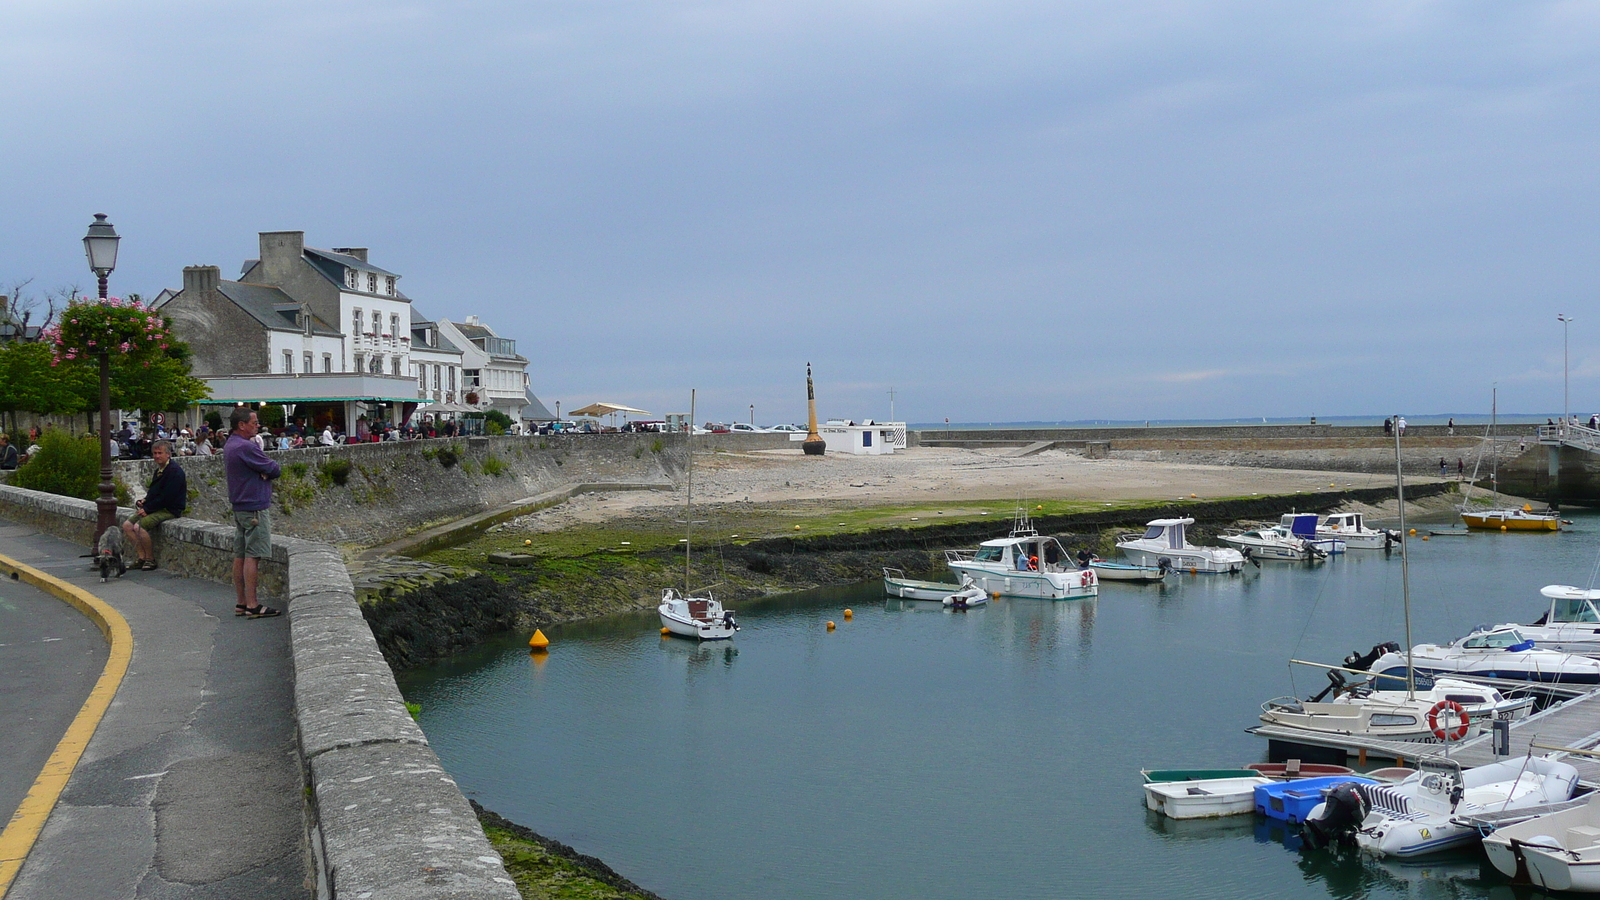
(386, 819)
(369, 494)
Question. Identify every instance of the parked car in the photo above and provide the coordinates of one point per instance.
(787, 428)
(745, 428)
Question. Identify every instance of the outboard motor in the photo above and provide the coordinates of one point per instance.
(1341, 816)
(1164, 564)
(1336, 684)
(1364, 661)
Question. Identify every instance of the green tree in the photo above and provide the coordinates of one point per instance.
(149, 368)
(28, 381)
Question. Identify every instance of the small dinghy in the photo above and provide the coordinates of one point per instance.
(896, 584)
(1114, 571)
(1294, 768)
(1558, 852)
(1205, 798)
(969, 596)
(1429, 811)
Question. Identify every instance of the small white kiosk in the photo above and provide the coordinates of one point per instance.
(869, 438)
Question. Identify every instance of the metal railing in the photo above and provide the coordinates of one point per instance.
(1579, 436)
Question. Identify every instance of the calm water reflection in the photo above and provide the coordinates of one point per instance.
(921, 752)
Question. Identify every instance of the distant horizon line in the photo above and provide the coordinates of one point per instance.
(1461, 419)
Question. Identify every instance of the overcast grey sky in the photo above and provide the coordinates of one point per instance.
(1005, 210)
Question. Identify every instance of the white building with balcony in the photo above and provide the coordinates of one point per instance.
(435, 362)
(491, 368)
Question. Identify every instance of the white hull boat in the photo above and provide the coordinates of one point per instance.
(1023, 565)
(1427, 812)
(1481, 704)
(896, 584)
(968, 597)
(1164, 541)
(1430, 811)
(1353, 531)
(1501, 652)
(701, 618)
(1418, 720)
(1557, 852)
(1268, 543)
(1304, 527)
(1110, 571)
(1203, 799)
(1572, 622)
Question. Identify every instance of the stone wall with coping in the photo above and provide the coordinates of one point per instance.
(388, 821)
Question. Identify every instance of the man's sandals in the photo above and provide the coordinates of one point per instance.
(259, 611)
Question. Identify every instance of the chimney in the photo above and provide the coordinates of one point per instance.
(201, 279)
(281, 251)
(358, 252)
(472, 320)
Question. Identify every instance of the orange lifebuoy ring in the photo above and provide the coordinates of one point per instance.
(1033, 564)
(1443, 732)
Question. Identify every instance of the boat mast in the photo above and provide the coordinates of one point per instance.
(1494, 448)
(688, 497)
(1405, 569)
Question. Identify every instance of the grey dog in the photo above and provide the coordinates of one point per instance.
(108, 553)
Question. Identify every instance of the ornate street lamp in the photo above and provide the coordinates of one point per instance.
(100, 245)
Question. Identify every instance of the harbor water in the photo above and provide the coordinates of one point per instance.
(919, 752)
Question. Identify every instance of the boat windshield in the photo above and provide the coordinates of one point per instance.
(1568, 609)
(1494, 640)
(1153, 533)
(989, 554)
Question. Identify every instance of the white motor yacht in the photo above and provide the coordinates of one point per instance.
(1350, 528)
(1571, 624)
(1501, 652)
(1025, 564)
(1165, 540)
(1480, 703)
(1412, 720)
(1304, 527)
(696, 617)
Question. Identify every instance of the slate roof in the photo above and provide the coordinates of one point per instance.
(263, 304)
(347, 261)
(419, 323)
(535, 410)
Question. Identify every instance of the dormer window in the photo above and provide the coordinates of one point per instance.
(372, 282)
(389, 285)
(305, 323)
(352, 279)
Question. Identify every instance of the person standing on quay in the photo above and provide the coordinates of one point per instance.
(1400, 425)
(250, 474)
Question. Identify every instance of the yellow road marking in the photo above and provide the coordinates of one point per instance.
(31, 814)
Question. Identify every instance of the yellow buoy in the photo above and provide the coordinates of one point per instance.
(1040, 506)
(1191, 496)
(665, 631)
(797, 528)
(849, 614)
(1413, 531)
(831, 626)
(1424, 537)
(528, 542)
(1331, 484)
(538, 642)
(1502, 528)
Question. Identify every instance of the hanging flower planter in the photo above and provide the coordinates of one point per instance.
(89, 328)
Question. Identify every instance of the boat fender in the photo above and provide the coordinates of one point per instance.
(1441, 729)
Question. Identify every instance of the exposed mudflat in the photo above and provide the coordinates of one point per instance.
(931, 475)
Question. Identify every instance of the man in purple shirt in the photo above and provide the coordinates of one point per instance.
(250, 474)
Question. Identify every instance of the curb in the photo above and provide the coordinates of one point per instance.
(34, 810)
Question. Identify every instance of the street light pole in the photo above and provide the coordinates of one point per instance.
(752, 414)
(1566, 404)
(100, 246)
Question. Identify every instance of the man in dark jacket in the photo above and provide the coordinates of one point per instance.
(165, 499)
(9, 457)
(250, 474)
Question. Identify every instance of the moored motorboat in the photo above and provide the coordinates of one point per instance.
(1271, 543)
(1521, 518)
(1558, 852)
(702, 618)
(896, 584)
(1353, 531)
(1204, 798)
(1025, 564)
(1418, 721)
(1430, 811)
(1166, 539)
(1500, 652)
(1304, 527)
(1115, 571)
(1570, 624)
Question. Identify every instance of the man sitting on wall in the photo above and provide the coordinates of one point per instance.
(165, 499)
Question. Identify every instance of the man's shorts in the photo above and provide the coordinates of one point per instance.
(153, 520)
(252, 535)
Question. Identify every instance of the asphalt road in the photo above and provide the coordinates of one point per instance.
(50, 657)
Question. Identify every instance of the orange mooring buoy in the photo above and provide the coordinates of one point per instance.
(831, 626)
(538, 643)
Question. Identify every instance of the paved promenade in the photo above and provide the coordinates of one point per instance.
(191, 785)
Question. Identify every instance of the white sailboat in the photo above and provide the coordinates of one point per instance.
(684, 614)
